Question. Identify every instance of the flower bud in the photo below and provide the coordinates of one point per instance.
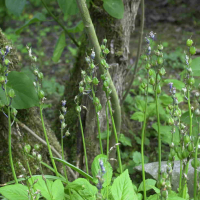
(39, 157)
(61, 117)
(11, 93)
(92, 66)
(36, 147)
(99, 107)
(41, 94)
(147, 66)
(103, 77)
(151, 72)
(63, 125)
(103, 47)
(158, 89)
(81, 89)
(197, 112)
(191, 81)
(78, 109)
(35, 72)
(189, 42)
(171, 121)
(152, 81)
(27, 148)
(40, 75)
(162, 71)
(88, 79)
(192, 50)
(104, 41)
(14, 111)
(6, 61)
(96, 100)
(95, 81)
(160, 61)
(160, 47)
(143, 85)
(2, 79)
(144, 57)
(106, 51)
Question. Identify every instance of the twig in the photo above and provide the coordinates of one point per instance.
(138, 53)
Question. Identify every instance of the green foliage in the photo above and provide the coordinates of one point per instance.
(60, 45)
(17, 192)
(122, 188)
(115, 8)
(150, 184)
(26, 96)
(15, 6)
(96, 169)
(38, 17)
(126, 141)
(137, 158)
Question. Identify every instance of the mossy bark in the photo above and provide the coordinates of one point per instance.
(117, 32)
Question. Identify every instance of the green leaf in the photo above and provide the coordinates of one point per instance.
(176, 83)
(58, 190)
(38, 17)
(165, 99)
(78, 28)
(45, 188)
(15, 6)
(137, 158)
(96, 169)
(75, 168)
(68, 7)
(150, 184)
(83, 188)
(26, 96)
(114, 8)
(126, 141)
(15, 192)
(60, 45)
(195, 65)
(139, 116)
(166, 135)
(122, 188)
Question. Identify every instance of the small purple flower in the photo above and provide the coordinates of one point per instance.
(92, 55)
(8, 48)
(170, 85)
(152, 35)
(102, 166)
(147, 40)
(63, 102)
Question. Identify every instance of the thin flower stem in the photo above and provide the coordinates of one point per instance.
(159, 136)
(108, 131)
(10, 147)
(9, 140)
(47, 140)
(98, 124)
(180, 177)
(143, 137)
(195, 165)
(63, 157)
(116, 138)
(190, 132)
(84, 147)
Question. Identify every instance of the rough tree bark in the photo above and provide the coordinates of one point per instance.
(117, 32)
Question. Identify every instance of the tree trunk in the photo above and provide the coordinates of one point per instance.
(117, 32)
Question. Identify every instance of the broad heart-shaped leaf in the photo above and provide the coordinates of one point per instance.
(166, 135)
(96, 169)
(15, 192)
(60, 45)
(150, 184)
(58, 190)
(195, 65)
(176, 83)
(83, 188)
(115, 8)
(15, 6)
(122, 188)
(38, 17)
(26, 96)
